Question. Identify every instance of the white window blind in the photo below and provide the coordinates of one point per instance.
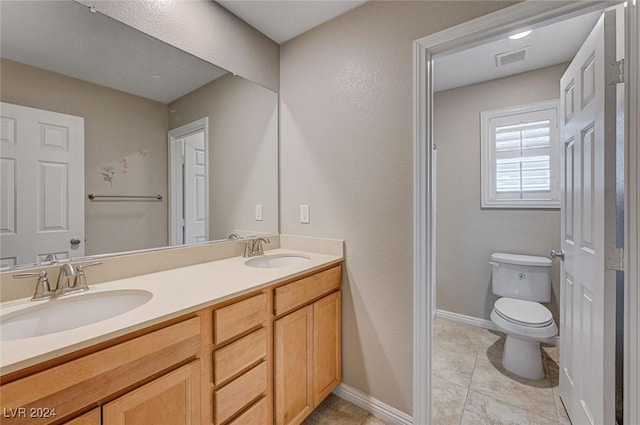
(519, 157)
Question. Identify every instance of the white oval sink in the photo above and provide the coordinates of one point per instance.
(63, 314)
(274, 261)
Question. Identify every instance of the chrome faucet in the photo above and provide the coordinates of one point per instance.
(65, 285)
(253, 246)
(257, 245)
(70, 280)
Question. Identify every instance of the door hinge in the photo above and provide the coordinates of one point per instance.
(615, 259)
(615, 73)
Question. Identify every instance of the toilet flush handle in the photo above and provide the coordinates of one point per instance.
(557, 254)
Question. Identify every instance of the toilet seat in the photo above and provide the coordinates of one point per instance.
(523, 313)
(533, 327)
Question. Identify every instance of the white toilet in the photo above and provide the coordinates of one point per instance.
(523, 282)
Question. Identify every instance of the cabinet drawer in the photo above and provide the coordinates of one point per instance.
(297, 293)
(255, 415)
(239, 317)
(233, 397)
(239, 355)
(84, 381)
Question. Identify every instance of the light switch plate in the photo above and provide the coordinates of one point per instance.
(304, 213)
(258, 212)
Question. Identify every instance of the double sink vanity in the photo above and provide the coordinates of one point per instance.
(233, 341)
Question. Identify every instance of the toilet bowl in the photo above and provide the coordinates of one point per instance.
(523, 282)
(526, 325)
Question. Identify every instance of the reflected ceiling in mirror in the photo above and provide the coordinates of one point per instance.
(135, 117)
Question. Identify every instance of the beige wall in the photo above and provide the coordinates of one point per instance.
(116, 124)
(204, 29)
(467, 235)
(243, 151)
(347, 150)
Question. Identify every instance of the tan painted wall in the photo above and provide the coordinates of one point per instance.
(204, 29)
(116, 124)
(347, 150)
(466, 234)
(243, 151)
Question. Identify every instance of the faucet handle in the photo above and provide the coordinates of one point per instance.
(248, 247)
(80, 283)
(43, 290)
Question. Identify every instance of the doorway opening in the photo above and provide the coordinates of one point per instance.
(425, 247)
(189, 183)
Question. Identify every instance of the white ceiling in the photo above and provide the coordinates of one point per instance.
(549, 45)
(65, 37)
(283, 20)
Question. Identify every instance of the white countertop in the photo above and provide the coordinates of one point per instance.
(175, 292)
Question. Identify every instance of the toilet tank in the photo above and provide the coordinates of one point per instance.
(524, 277)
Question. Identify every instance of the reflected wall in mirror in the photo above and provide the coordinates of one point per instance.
(77, 84)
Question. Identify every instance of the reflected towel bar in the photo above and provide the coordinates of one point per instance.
(92, 197)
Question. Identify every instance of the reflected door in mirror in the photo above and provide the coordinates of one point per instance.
(42, 185)
(188, 146)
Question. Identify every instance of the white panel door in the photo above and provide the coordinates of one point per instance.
(42, 185)
(586, 351)
(195, 188)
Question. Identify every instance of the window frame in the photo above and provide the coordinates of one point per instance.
(489, 196)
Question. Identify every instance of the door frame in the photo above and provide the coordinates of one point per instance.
(632, 217)
(465, 35)
(176, 194)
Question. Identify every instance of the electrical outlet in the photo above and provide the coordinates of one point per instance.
(258, 212)
(304, 213)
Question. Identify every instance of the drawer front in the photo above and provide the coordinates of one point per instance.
(79, 383)
(234, 396)
(236, 357)
(297, 293)
(239, 317)
(255, 415)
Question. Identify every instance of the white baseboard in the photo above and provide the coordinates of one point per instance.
(372, 405)
(467, 320)
(475, 321)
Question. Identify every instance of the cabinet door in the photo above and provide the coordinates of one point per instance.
(90, 418)
(173, 399)
(293, 363)
(327, 367)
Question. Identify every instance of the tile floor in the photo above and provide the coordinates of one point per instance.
(336, 411)
(470, 386)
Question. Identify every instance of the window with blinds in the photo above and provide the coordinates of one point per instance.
(520, 157)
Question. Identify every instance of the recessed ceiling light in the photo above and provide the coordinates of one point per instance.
(519, 35)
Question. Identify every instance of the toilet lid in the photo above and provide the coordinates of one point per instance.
(521, 312)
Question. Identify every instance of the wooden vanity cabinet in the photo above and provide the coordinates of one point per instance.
(102, 374)
(270, 356)
(307, 345)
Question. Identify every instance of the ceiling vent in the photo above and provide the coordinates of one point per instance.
(507, 58)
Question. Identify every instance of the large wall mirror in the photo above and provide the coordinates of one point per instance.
(114, 141)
